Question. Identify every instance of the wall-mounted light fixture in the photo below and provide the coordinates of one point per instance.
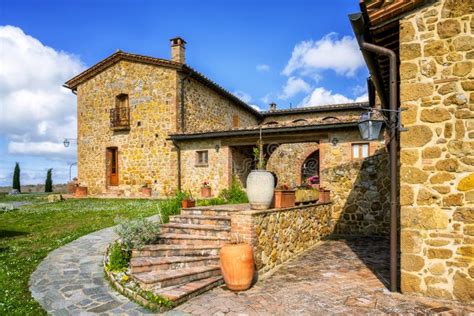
(217, 147)
(334, 141)
(67, 141)
(371, 122)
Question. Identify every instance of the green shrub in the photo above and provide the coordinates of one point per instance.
(213, 201)
(137, 233)
(119, 258)
(171, 206)
(16, 178)
(234, 194)
(48, 185)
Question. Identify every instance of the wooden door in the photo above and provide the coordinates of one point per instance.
(112, 166)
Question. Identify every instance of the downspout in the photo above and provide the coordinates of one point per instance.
(393, 147)
(182, 108)
(178, 151)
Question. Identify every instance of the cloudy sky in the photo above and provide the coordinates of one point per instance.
(294, 53)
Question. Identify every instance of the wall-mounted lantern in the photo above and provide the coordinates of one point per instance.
(217, 147)
(370, 126)
(67, 141)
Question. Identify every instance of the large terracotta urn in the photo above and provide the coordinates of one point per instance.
(237, 266)
(260, 189)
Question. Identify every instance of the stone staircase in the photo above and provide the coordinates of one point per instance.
(185, 261)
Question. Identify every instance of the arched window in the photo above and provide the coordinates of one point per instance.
(310, 168)
(331, 118)
(271, 123)
(300, 121)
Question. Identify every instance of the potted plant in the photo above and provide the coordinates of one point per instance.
(146, 190)
(188, 200)
(260, 182)
(237, 264)
(284, 197)
(81, 191)
(313, 181)
(206, 190)
(324, 195)
(305, 193)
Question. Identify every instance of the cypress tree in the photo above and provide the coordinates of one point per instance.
(48, 186)
(16, 178)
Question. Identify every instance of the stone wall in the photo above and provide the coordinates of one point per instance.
(286, 162)
(206, 109)
(217, 172)
(278, 235)
(437, 152)
(145, 155)
(359, 187)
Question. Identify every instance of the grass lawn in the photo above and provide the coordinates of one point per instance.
(27, 235)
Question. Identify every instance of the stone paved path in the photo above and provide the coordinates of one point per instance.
(336, 277)
(70, 280)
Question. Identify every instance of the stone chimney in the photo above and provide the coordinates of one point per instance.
(177, 49)
(273, 107)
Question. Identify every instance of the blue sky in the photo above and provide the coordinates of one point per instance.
(290, 52)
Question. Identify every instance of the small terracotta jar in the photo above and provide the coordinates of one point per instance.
(146, 191)
(188, 203)
(237, 266)
(206, 192)
(81, 191)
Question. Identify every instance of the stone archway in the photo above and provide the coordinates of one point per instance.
(287, 159)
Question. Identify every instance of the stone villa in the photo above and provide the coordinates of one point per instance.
(160, 123)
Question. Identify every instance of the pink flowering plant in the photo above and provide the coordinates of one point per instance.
(205, 184)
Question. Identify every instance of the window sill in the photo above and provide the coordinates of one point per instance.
(201, 165)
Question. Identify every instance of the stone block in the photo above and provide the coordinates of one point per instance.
(447, 88)
(435, 48)
(410, 51)
(466, 251)
(466, 183)
(464, 214)
(412, 263)
(455, 99)
(431, 152)
(462, 68)
(410, 241)
(415, 91)
(453, 200)
(408, 71)
(463, 287)
(406, 195)
(409, 156)
(439, 253)
(456, 8)
(464, 43)
(437, 268)
(468, 85)
(427, 197)
(435, 115)
(423, 217)
(412, 175)
(407, 32)
(428, 68)
(410, 283)
(448, 28)
(416, 136)
(449, 165)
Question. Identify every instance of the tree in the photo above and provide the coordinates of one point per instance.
(48, 186)
(16, 178)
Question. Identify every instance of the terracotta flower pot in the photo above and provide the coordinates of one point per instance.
(81, 191)
(324, 196)
(284, 198)
(206, 192)
(237, 266)
(188, 203)
(146, 191)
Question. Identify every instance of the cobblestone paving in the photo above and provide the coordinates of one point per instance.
(70, 280)
(336, 277)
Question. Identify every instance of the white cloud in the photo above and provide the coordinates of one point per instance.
(321, 96)
(310, 57)
(243, 96)
(263, 68)
(294, 86)
(36, 112)
(256, 107)
(362, 98)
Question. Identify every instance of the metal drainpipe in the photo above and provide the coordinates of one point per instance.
(393, 158)
(178, 151)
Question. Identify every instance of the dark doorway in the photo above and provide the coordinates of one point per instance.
(112, 166)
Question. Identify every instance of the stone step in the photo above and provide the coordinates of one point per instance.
(180, 293)
(166, 278)
(217, 220)
(195, 229)
(207, 211)
(145, 264)
(162, 250)
(196, 240)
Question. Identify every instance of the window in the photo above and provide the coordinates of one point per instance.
(202, 157)
(300, 121)
(235, 121)
(121, 101)
(271, 123)
(360, 151)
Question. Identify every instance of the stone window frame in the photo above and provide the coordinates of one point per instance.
(360, 150)
(202, 158)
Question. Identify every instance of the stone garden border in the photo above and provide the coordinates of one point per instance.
(127, 292)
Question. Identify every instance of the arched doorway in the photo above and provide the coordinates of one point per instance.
(310, 168)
